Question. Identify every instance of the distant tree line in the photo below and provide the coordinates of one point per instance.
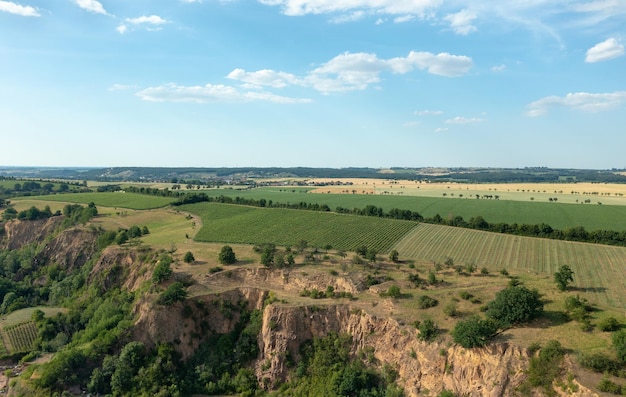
(35, 188)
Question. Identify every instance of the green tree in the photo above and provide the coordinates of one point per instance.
(163, 270)
(394, 256)
(9, 213)
(515, 305)
(371, 255)
(134, 232)
(474, 332)
(227, 255)
(428, 330)
(121, 237)
(563, 277)
(174, 293)
(189, 258)
(267, 256)
(619, 344)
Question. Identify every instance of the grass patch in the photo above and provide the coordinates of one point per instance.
(116, 200)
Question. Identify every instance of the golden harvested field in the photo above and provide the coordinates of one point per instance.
(614, 194)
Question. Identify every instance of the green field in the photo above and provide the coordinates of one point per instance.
(117, 200)
(599, 270)
(559, 216)
(239, 224)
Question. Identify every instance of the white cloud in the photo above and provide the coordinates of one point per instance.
(608, 49)
(583, 101)
(404, 18)
(13, 8)
(441, 129)
(461, 22)
(419, 8)
(379, 21)
(149, 22)
(357, 71)
(352, 17)
(464, 120)
(264, 77)
(498, 68)
(210, 93)
(122, 87)
(428, 112)
(92, 6)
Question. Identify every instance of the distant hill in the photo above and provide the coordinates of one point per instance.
(209, 175)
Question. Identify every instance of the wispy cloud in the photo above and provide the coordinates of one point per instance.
(428, 112)
(17, 9)
(149, 22)
(441, 129)
(604, 51)
(464, 120)
(583, 101)
(357, 71)
(92, 6)
(404, 18)
(461, 22)
(122, 87)
(351, 17)
(394, 7)
(498, 68)
(211, 93)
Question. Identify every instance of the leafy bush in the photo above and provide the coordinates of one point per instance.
(608, 386)
(474, 332)
(425, 301)
(189, 258)
(428, 330)
(174, 293)
(608, 324)
(545, 367)
(599, 362)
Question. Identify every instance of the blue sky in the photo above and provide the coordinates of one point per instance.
(319, 83)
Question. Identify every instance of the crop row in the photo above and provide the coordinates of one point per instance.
(598, 269)
(20, 337)
(238, 224)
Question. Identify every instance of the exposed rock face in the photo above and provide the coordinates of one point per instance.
(422, 368)
(71, 249)
(205, 315)
(288, 280)
(20, 233)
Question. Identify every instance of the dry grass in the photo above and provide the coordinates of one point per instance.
(613, 194)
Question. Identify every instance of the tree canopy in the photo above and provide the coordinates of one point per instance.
(515, 305)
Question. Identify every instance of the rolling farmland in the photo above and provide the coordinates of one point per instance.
(132, 201)
(239, 224)
(598, 269)
(557, 215)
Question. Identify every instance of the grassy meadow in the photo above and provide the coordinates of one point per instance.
(115, 200)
